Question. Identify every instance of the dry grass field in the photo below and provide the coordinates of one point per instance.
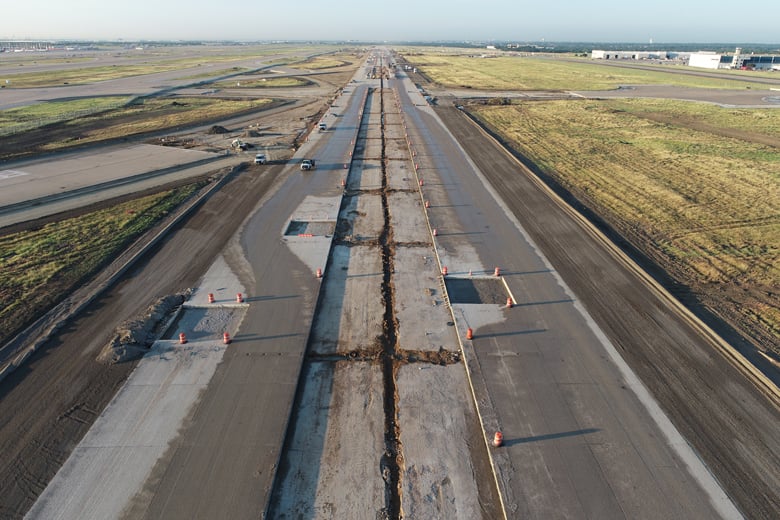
(324, 62)
(283, 82)
(134, 119)
(535, 73)
(152, 61)
(695, 187)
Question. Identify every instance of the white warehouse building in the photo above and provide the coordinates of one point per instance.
(711, 60)
(628, 55)
(705, 60)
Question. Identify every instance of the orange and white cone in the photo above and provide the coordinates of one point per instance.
(498, 440)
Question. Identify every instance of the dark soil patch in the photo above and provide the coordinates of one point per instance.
(300, 227)
(476, 290)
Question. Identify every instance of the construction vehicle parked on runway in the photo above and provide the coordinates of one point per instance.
(308, 164)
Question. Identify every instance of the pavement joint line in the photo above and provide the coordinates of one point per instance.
(508, 291)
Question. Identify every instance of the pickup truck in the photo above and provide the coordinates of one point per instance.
(307, 164)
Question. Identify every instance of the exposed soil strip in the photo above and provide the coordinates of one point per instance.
(393, 458)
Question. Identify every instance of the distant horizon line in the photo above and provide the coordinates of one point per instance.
(374, 42)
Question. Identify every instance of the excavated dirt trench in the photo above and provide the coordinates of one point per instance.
(383, 351)
(392, 460)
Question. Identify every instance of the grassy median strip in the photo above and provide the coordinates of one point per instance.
(150, 115)
(215, 73)
(320, 62)
(52, 111)
(155, 64)
(87, 75)
(285, 82)
(38, 268)
(705, 206)
(534, 73)
(161, 113)
(137, 118)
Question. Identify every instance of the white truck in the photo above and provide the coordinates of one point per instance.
(307, 164)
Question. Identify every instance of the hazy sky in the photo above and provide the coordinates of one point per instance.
(749, 21)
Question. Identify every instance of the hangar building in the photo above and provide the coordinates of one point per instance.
(628, 55)
(711, 60)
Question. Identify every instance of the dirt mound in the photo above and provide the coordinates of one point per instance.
(252, 133)
(217, 129)
(134, 337)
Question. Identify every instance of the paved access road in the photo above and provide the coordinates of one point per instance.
(733, 428)
(579, 442)
(224, 461)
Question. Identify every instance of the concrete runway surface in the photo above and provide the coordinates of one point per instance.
(356, 394)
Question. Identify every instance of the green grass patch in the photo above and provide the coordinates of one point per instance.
(50, 111)
(705, 206)
(215, 74)
(320, 62)
(152, 115)
(536, 73)
(38, 268)
(753, 120)
(87, 75)
(286, 82)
